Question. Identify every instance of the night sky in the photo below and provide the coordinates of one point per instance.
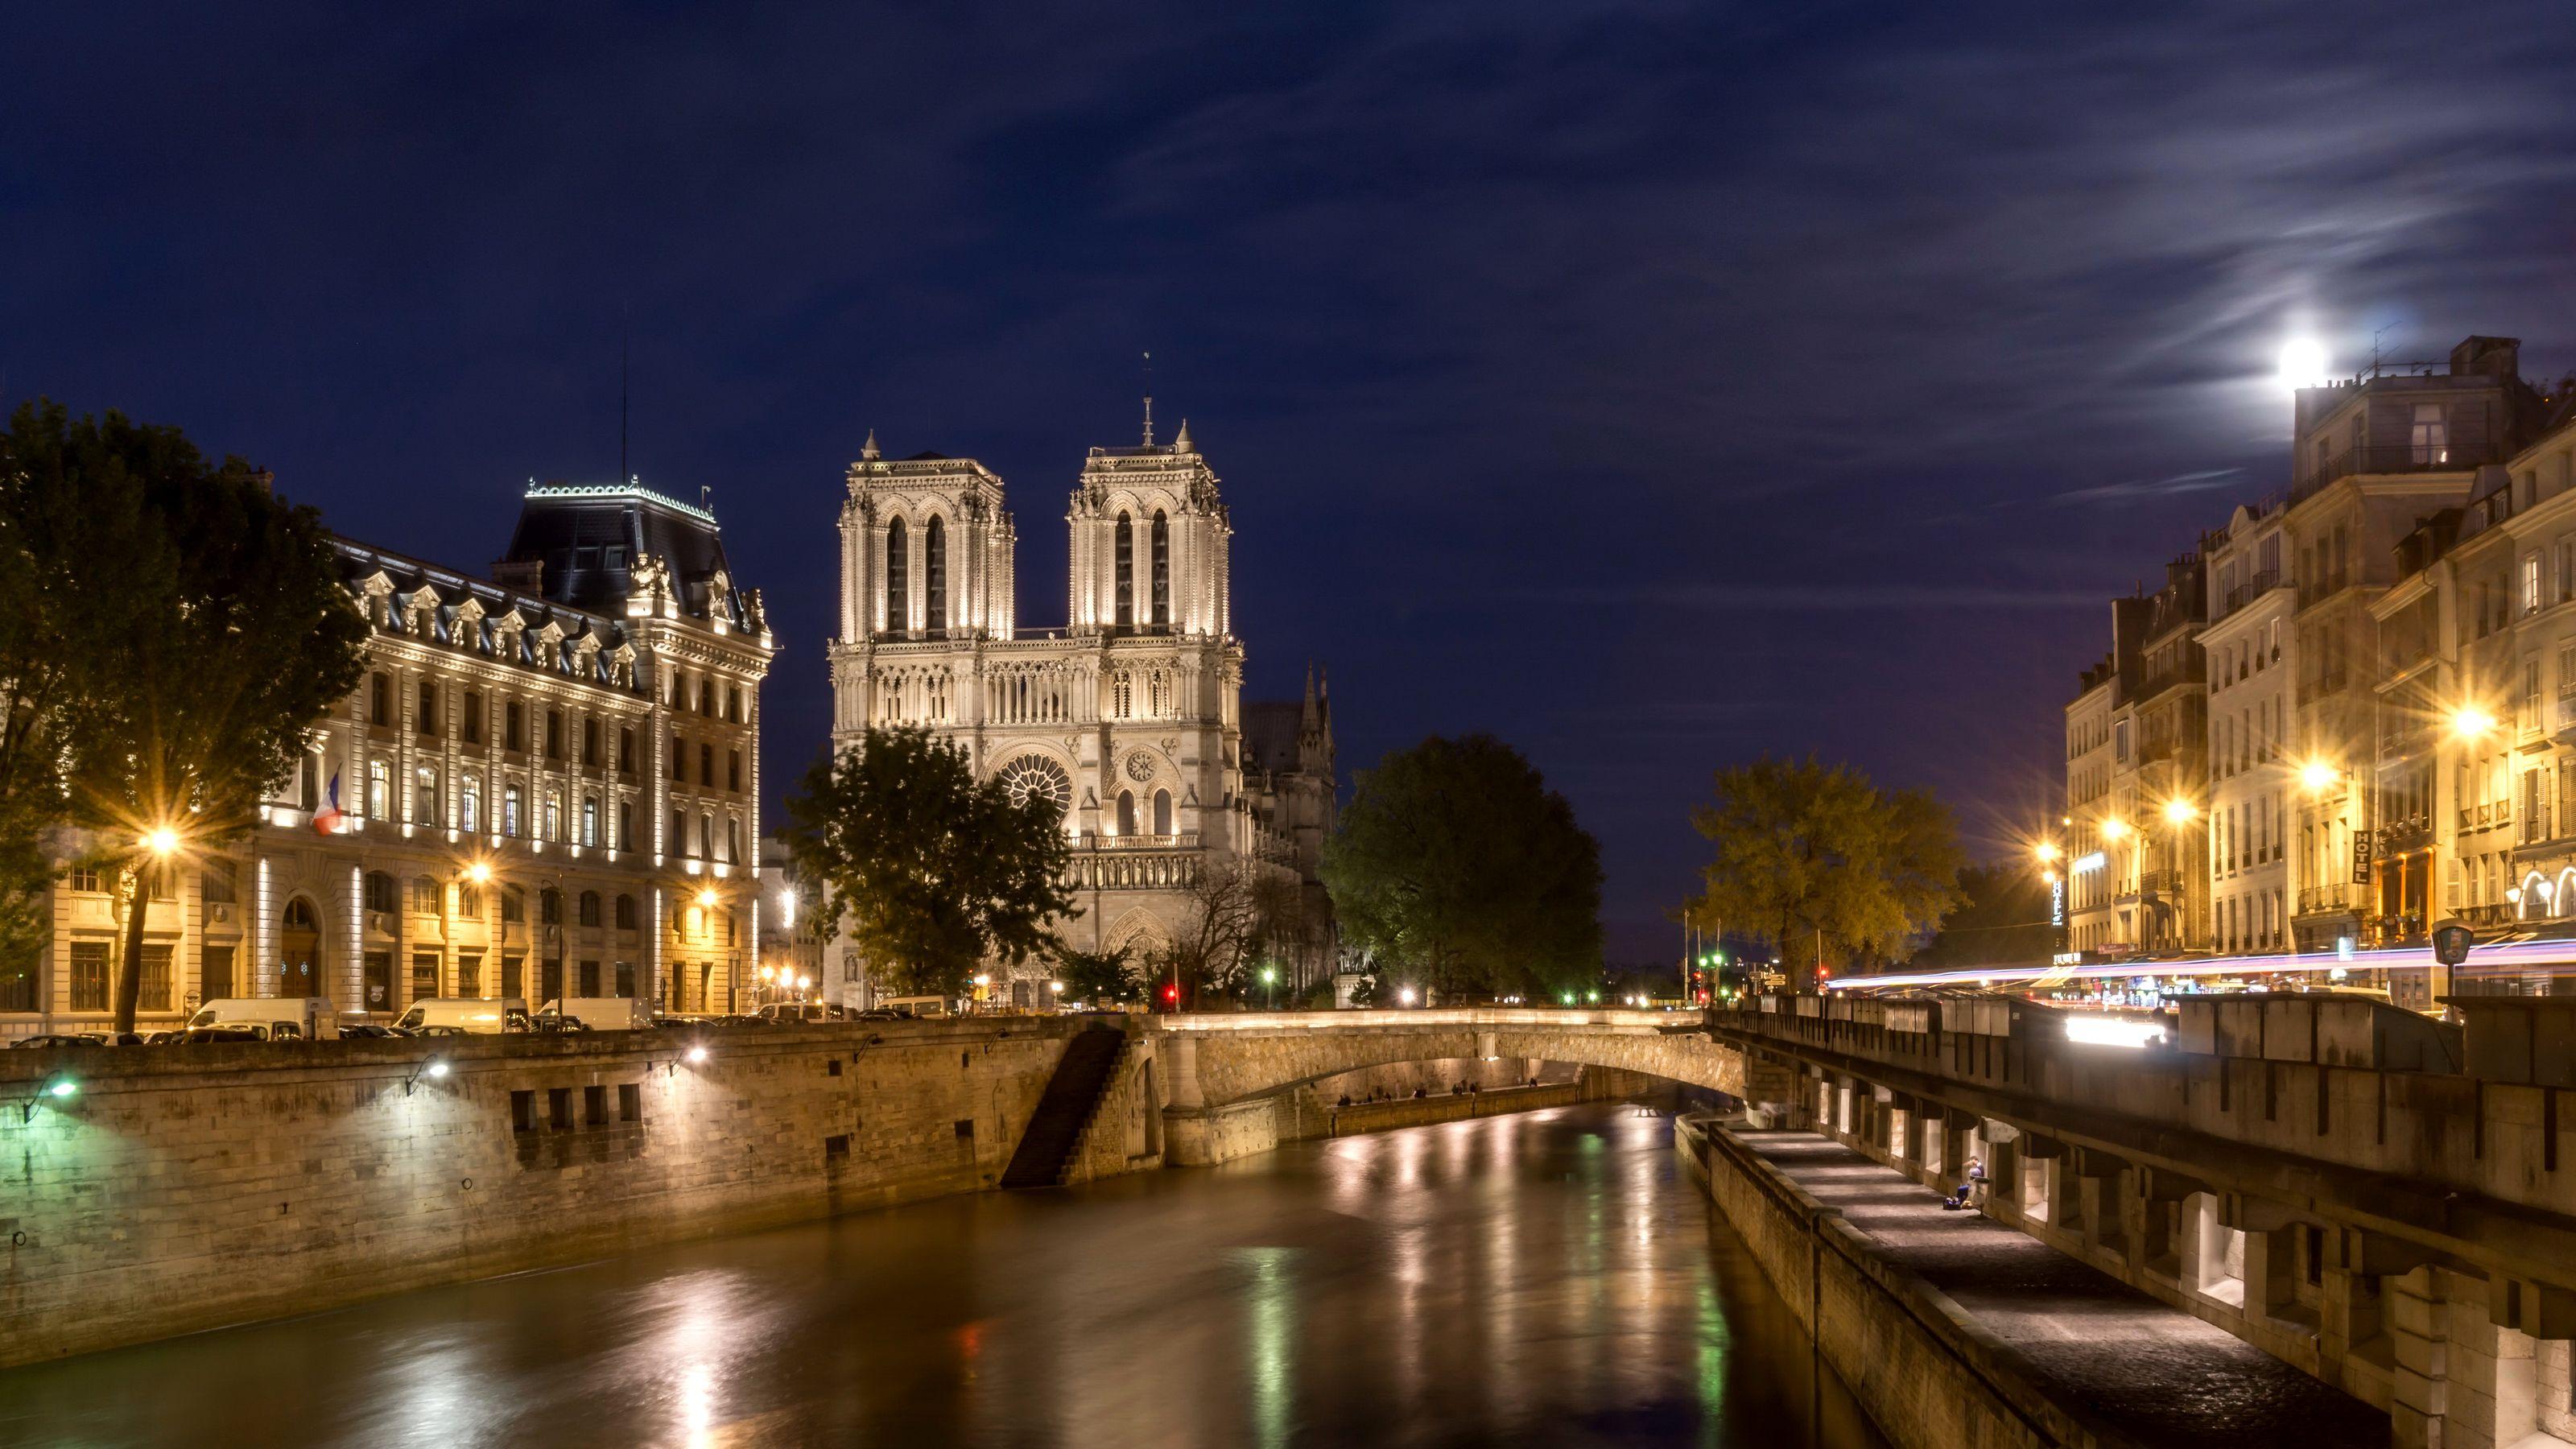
(1651, 385)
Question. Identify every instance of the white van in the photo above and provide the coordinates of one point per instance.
(603, 1013)
(924, 1006)
(286, 1018)
(466, 1014)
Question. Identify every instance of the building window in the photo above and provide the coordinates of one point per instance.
(934, 574)
(897, 606)
(214, 973)
(554, 815)
(380, 699)
(1126, 813)
(510, 810)
(554, 734)
(706, 696)
(469, 803)
(1126, 551)
(513, 728)
(626, 825)
(424, 715)
(380, 893)
(550, 907)
(2531, 583)
(1162, 568)
(625, 913)
(2431, 439)
(733, 771)
(82, 878)
(733, 839)
(733, 703)
(424, 896)
(469, 903)
(590, 741)
(155, 993)
(706, 764)
(588, 908)
(380, 790)
(679, 759)
(89, 976)
(1162, 812)
(424, 975)
(706, 837)
(217, 882)
(590, 820)
(472, 728)
(424, 794)
(514, 912)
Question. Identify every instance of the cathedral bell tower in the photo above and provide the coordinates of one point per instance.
(925, 549)
(1149, 541)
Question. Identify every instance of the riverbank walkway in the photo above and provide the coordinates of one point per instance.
(2125, 1360)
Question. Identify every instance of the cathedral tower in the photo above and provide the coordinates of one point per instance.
(925, 549)
(1148, 544)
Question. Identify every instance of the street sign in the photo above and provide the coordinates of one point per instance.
(2360, 858)
(2451, 943)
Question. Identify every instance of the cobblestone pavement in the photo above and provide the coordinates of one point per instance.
(2153, 1371)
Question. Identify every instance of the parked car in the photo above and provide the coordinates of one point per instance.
(602, 1013)
(795, 1013)
(287, 1018)
(473, 1014)
(223, 1032)
(367, 1029)
(63, 1039)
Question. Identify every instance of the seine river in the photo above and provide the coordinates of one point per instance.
(1542, 1279)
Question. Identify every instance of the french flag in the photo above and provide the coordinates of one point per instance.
(327, 819)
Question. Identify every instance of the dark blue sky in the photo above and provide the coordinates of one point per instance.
(1652, 385)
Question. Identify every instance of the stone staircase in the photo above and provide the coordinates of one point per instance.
(1064, 1112)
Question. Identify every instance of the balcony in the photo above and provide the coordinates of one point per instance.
(2405, 834)
(2317, 899)
(2401, 458)
(2250, 590)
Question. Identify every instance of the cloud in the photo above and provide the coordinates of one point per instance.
(2205, 481)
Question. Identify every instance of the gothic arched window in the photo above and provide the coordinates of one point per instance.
(1126, 547)
(1126, 813)
(1162, 569)
(934, 574)
(1162, 812)
(897, 561)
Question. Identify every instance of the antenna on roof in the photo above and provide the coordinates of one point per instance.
(625, 337)
(1149, 399)
(2374, 348)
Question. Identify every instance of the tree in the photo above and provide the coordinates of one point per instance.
(1226, 916)
(182, 680)
(934, 870)
(1818, 864)
(2001, 919)
(1108, 977)
(1460, 868)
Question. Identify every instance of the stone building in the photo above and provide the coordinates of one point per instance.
(1128, 717)
(2253, 774)
(546, 781)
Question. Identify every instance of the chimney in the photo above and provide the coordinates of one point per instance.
(2487, 357)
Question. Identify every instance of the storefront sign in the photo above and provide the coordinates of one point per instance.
(2360, 859)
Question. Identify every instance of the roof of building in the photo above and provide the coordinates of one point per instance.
(445, 606)
(590, 540)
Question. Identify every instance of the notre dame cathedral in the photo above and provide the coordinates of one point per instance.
(1129, 717)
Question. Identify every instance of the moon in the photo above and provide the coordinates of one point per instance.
(2303, 363)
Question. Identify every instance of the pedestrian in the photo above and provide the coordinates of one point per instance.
(1977, 1183)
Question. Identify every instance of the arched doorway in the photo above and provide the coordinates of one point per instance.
(299, 949)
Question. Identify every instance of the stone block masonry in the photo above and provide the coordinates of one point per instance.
(187, 1188)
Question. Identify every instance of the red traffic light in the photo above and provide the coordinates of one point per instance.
(1172, 993)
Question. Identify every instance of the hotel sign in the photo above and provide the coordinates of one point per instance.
(2360, 858)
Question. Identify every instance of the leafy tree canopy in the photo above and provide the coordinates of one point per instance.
(1460, 868)
(934, 871)
(1101, 978)
(2001, 920)
(1815, 862)
(188, 629)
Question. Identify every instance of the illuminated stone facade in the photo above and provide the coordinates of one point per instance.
(581, 732)
(1129, 717)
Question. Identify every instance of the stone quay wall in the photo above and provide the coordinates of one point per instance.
(1921, 1368)
(180, 1189)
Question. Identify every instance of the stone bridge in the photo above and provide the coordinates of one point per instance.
(1224, 1067)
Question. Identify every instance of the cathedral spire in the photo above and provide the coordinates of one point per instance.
(868, 451)
(1149, 399)
(1308, 721)
(1181, 439)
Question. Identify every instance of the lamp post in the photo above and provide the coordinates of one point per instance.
(1269, 998)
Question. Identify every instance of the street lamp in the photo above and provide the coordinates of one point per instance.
(2179, 811)
(2468, 722)
(2047, 852)
(434, 1068)
(2114, 828)
(57, 1089)
(1269, 999)
(160, 840)
(2317, 777)
(479, 873)
(1405, 996)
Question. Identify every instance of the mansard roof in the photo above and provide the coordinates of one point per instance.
(447, 607)
(590, 539)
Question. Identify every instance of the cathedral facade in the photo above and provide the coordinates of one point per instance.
(1129, 717)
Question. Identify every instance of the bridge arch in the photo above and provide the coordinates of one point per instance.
(1232, 1059)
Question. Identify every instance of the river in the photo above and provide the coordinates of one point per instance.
(1549, 1278)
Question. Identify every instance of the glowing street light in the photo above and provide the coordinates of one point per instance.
(707, 897)
(56, 1090)
(2318, 776)
(2047, 852)
(2114, 828)
(2468, 722)
(2179, 811)
(478, 873)
(697, 1055)
(1405, 996)
(161, 840)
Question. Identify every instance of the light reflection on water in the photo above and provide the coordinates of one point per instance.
(1544, 1278)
